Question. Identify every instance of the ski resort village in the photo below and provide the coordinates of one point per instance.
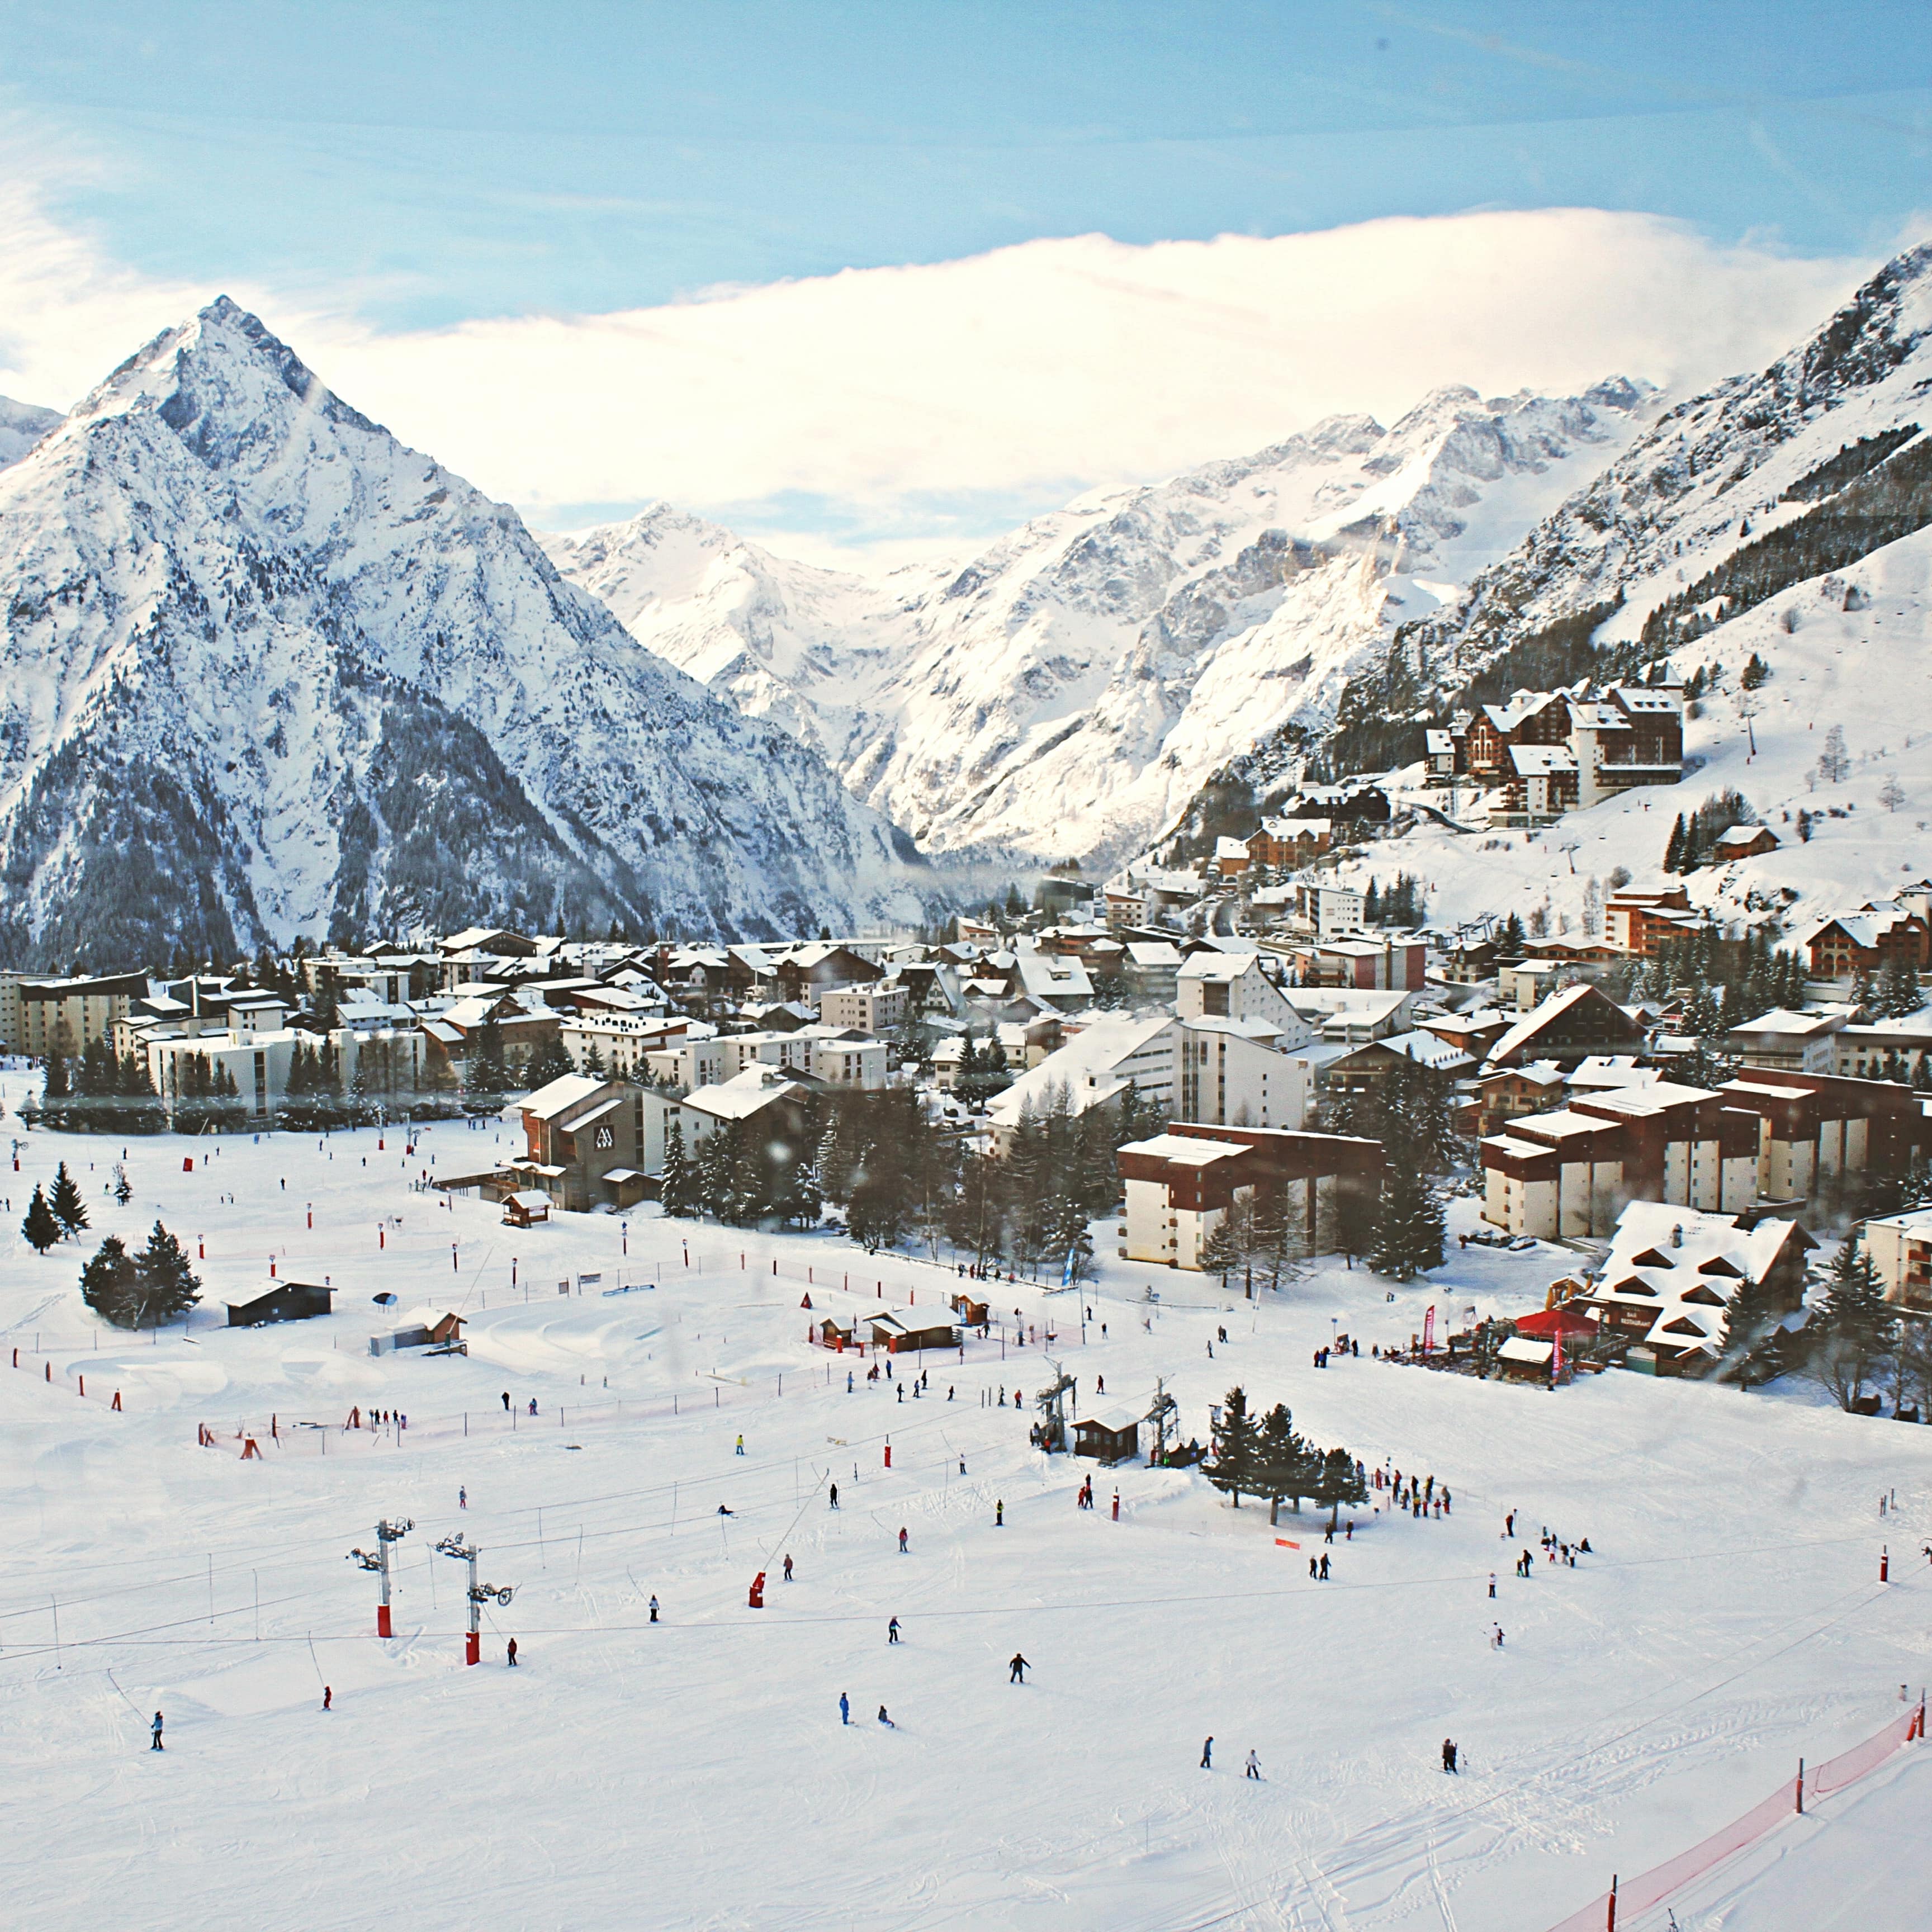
(1217, 1215)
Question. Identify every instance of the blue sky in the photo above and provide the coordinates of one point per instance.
(421, 167)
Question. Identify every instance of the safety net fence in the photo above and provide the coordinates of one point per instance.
(1629, 1896)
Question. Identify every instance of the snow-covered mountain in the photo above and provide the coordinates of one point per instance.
(21, 425)
(267, 671)
(1066, 691)
(1784, 516)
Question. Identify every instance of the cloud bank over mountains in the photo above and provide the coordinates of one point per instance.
(880, 413)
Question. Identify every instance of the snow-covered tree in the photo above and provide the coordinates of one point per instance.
(1236, 1458)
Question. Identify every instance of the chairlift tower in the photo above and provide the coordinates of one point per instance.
(480, 1594)
(378, 1560)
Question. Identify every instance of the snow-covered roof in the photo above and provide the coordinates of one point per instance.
(1231, 848)
(1611, 1069)
(1523, 706)
(743, 1095)
(567, 1090)
(1428, 1049)
(1221, 966)
(1539, 761)
(1539, 1016)
(1153, 952)
(1784, 1020)
(1095, 1065)
(1186, 1150)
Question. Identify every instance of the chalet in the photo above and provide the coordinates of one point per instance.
(1568, 1027)
(1671, 1272)
(1287, 845)
(1365, 1069)
(1853, 943)
(1231, 857)
(1744, 841)
(901, 1330)
(806, 972)
(1473, 1033)
(1511, 1092)
(525, 1208)
(285, 1301)
(1111, 1435)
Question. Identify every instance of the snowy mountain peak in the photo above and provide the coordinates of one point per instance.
(267, 671)
(21, 426)
(1062, 693)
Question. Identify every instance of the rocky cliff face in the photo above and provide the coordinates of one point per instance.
(268, 671)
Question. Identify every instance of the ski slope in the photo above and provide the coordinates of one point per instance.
(695, 1773)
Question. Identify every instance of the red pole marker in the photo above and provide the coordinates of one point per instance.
(382, 1626)
(472, 1647)
(1884, 1566)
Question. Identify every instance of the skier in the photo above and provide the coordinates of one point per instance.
(1017, 1669)
(835, 1496)
(1492, 1583)
(462, 1497)
(741, 1446)
(506, 1402)
(654, 1606)
(1449, 1756)
(999, 1516)
(902, 1539)
(155, 1727)
(848, 1382)
(788, 1569)
(893, 1631)
(513, 1653)
(1325, 1566)
(1497, 1639)
(328, 1698)
(1207, 1755)
(723, 1511)
(1254, 1766)
(845, 1708)
(1314, 1571)
(533, 1405)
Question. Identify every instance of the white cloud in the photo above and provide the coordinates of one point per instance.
(864, 404)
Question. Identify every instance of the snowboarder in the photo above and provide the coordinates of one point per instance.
(1207, 1755)
(885, 1720)
(1017, 1669)
(1254, 1770)
(788, 1569)
(835, 1496)
(845, 1708)
(723, 1511)
(512, 1653)
(902, 1539)
(155, 1727)
(328, 1698)
(893, 1631)
(1449, 1756)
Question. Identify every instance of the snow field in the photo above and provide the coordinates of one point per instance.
(696, 1772)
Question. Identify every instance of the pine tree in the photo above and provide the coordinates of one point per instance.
(1342, 1481)
(166, 1286)
(59, 1086)
(1854, 1328)
(678, 1191)
(68, 1208)
(124, 1188)
(41, 1228)
(1221, 1252)
(1282, 1459)
(1234, 1467)
(110, 1283)
(547, 1062)
(1751, 1326)
(1409, 1226)
(1897, 993)
(486, 1076)
(1509, 942)
(1675, 848)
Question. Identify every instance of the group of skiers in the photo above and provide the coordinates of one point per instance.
(1254, 1764)
(1418, 1495)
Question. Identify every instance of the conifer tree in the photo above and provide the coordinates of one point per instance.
(124, 1188)
(1676, 850)
(68, 1208)
(165, 1285)
(1853, 1328)
(110, 1283)
(1221, 1252)
(1283, 1461)
(1342, 1480)
(1233, 1468)
(1748, 1340)
(41, 1228)
(679, 1191)
(59, 1086)
(1409, 1226)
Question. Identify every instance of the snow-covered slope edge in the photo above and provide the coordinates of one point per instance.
(21, 425)
(1066, 692)
(268, 671)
